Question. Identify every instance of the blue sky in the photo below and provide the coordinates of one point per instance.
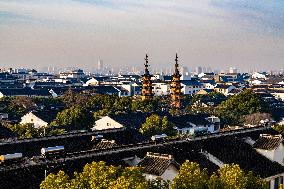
(217, 33)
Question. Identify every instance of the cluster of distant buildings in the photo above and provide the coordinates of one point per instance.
(29, 82)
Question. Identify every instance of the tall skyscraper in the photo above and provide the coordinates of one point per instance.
(198, 70)
(100, 65)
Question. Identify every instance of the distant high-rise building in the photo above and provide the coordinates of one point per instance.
(233, 70)
(100, 65)
(198, 70)
(185, 74)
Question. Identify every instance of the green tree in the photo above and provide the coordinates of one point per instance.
(56, 181)
(25, 130)
(190, 176)
(98, 175)
(19, 106)
(145, 106)
(159, 183)
(122, 104)
(245, 103)
(156, 125)
(233, 177)
(132, 178)
(73, 118)
(279, 128)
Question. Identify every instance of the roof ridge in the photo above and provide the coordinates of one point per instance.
(158, 155)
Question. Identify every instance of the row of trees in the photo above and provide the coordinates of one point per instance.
(81, 110)
(191, 176)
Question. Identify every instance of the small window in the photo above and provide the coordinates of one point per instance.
(32, 120)
(108, 124)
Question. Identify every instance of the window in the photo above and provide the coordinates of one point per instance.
(108, 124)
(32, 120)
(216, 127)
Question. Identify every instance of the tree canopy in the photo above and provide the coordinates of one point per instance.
(98, 175)
(157, 125)
(191, 176)
(245, 103)
(75, 117)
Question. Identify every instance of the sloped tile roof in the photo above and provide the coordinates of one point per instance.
(268, 142)
(156, 164)
(105, 144)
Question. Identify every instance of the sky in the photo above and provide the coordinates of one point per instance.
(246, 34)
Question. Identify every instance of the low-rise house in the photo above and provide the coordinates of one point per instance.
(107, 122)
(74, 74)
(39, 119)
(120, 121)
(95, 81)
(258, 75)
(161, 88)
(105, 144)
(270, 146)
(205, 91)
(234, 92)
(191, 86)
(28, 92)
(192, 124)
(157, 165)
(241, 151)
(225, 89)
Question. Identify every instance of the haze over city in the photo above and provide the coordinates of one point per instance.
(216, 33)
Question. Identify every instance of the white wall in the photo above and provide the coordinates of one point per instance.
(272, 180)
(31, 118)
(170, 173)
(161, 89)
(274, 155)
(279, 95)
(106, 123)
(191, 89)
(92, 82)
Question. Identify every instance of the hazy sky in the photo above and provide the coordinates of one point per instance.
(217, 33)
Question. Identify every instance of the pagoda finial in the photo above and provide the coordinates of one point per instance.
(176, 65)
(176, 58)
(146, 59)
(146, 64)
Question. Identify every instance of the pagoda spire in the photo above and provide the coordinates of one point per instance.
(176, 66)
(146, 64)
(176, 94)
(147, 92)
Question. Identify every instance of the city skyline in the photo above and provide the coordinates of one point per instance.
(210, 33)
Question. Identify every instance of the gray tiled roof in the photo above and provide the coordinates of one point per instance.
(105, 144)
(268, 142)
(156, 164)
